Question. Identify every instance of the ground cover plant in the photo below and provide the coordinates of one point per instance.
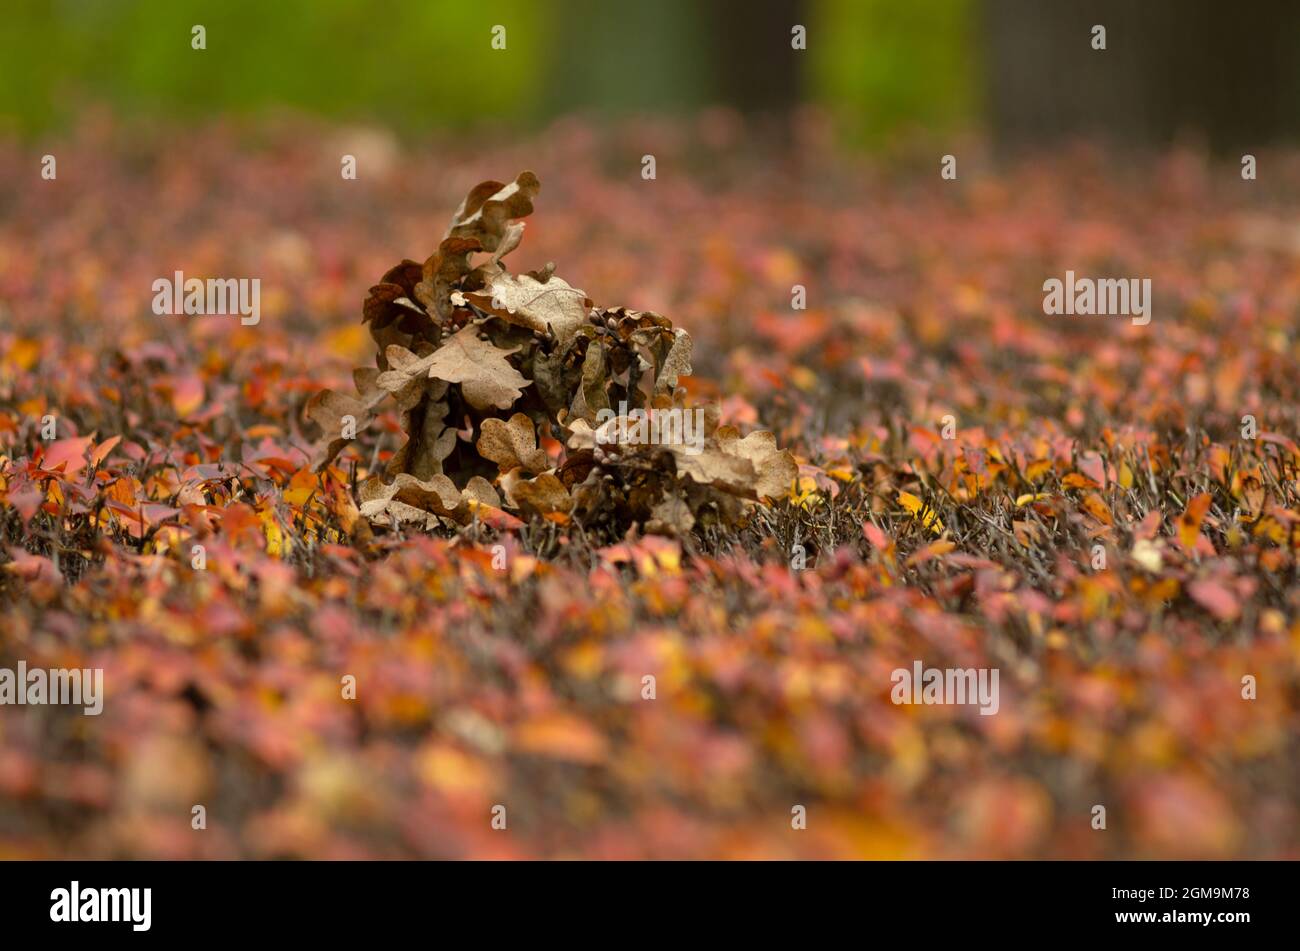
(1106, 512)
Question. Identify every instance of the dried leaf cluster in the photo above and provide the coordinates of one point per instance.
(488, 368)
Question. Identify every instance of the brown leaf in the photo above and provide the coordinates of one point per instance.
(512, 444)
(543, 494)
(327, 409)
(474, 201)
(480, 490)
(430, 440)
(591, 397)
(672, 516)
(488, 220)
(442, 270)
(711, 466)
(408, 499)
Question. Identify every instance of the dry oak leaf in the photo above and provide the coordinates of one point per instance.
(389, 301)
(511, 444)
(486, 378)
(487, 212)
(328, 410)
(671, 516)
(427, 444)
(479, 491)
(407, 377)
(590, 396)
(676, 364)
(581, 435)
(712, 466)
(442, 270)
(524, 300)
(542, 494)
(775, 469)
(408, 499)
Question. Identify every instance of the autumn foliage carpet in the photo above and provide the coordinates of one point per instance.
(1121, 674)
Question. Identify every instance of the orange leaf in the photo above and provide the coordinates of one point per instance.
(1189, 523)
(103, 449)
(561, 736)
(1075, 480)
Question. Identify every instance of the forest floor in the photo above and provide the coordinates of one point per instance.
(1105, 512)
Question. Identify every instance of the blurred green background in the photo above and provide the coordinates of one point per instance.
(882, 65)
(1025, 71)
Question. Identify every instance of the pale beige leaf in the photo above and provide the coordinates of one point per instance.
(407, 377)
(480, 490)
(383, 503)
(485, 376)
(328, 408)
(524, 300)
(714, 467)
(676, 364)
(775, 469)
(581, 435)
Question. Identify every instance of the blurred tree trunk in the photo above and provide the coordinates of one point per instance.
(676, 54)
(624, 57)
(1226, 72)
(756, 69)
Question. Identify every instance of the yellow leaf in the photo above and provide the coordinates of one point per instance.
(561, 736)
(804, 492)
(1031, 497)
(277, 543)
(301, 487)
(920, 511)
(1037, 469)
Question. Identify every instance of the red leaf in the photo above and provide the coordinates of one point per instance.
(1215, 598)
